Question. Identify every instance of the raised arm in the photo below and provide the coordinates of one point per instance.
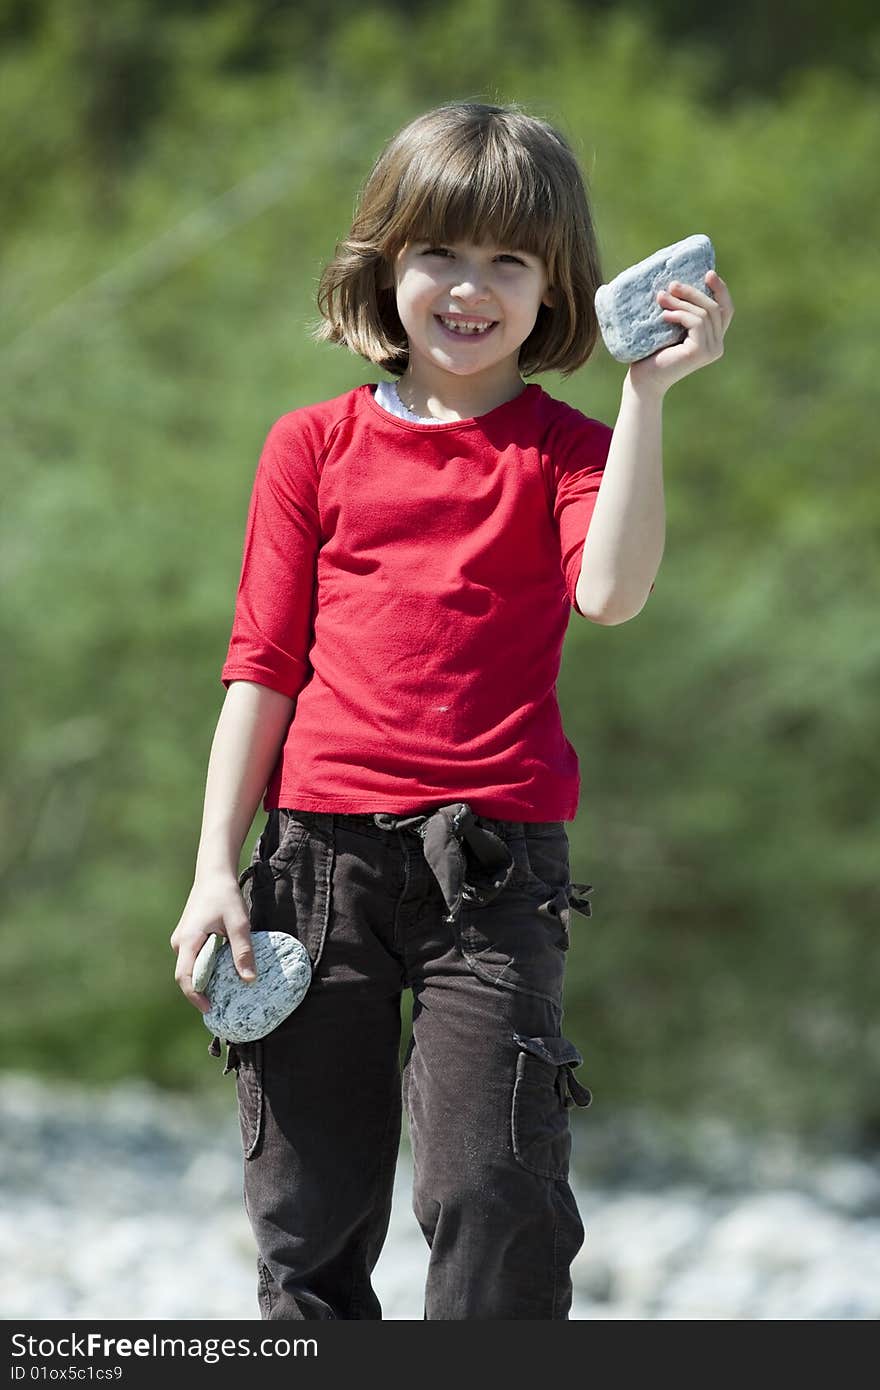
(624, 545)
(627, 532)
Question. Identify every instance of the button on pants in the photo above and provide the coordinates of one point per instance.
(473, 916)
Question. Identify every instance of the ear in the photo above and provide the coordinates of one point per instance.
(549, 298)
(385, 276)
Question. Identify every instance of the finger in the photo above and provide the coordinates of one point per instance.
(201, 1001)
(701, 332)
(238, 931)
(710, 312)
(724, 308)
(686, 318)
(672, 301)
(689, 294)
(184, 981)
(700, 335)
(713, 314)
(721, 292)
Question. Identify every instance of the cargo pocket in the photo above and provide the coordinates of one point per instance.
(544, 1090)
(246, 1059)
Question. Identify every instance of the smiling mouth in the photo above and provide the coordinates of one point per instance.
(465, 328)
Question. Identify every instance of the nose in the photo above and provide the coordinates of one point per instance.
(470, 288)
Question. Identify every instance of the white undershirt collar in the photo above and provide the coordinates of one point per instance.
(386, 395)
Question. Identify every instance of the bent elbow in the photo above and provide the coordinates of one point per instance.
(594, 612)
(607, 615)
(607, 618)
(609, 610)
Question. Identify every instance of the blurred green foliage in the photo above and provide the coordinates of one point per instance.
(174, 177)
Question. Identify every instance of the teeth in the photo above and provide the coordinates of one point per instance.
(465, 325)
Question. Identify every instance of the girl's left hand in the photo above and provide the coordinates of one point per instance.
(706, 320)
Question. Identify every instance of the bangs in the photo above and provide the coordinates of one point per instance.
(492, 194)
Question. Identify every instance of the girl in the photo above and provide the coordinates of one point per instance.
(413, 551)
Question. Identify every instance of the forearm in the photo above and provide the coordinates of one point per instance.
(251, 728)
(627, 531)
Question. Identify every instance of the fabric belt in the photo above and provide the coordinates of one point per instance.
(470, 863)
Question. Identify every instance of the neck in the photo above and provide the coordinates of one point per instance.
(457, 398)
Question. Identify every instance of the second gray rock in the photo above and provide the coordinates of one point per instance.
(630, 318)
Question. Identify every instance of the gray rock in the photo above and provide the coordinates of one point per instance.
(630, 318)
(242, 1012)
(849, 1185)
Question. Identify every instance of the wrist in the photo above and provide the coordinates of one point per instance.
(215, 864)
(649, 395)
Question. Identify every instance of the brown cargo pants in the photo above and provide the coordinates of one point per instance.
(472, 915)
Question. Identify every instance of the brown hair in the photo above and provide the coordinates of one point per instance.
(468, 172)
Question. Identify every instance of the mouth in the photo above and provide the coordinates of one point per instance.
(465, 328)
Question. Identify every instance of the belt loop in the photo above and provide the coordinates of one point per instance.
(578, 898)
(577, 1094)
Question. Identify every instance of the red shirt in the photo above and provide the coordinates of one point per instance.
(411, 585)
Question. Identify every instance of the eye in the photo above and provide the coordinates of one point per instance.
(436, 251)
(509, 256)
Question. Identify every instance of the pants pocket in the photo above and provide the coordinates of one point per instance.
(543, 867)
(519, 940)
(288, 882)
(285, 833)
(544, 855)
(544, 1089)
(247, 1061)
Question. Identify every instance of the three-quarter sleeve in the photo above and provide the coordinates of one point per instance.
(272, 624)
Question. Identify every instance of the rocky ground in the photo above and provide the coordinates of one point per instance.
(126, 1203)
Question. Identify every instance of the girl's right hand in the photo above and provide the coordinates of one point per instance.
(215, 905)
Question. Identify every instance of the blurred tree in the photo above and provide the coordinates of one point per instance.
(729, 737)
(762, 44)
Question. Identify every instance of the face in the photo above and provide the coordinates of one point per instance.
(498, 288)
